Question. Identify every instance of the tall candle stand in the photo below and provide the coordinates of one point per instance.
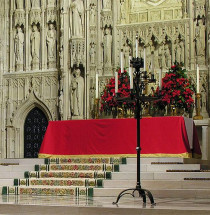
(198, 115)
(141, 80)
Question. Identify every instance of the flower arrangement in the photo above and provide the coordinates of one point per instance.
(176, 89)
(108, 101)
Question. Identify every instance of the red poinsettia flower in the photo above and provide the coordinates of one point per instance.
(176, 89)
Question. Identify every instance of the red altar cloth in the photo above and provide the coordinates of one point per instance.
(160, 137)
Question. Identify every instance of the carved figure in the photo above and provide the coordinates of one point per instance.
(182, 47)
(200, 39)
(122, 11)
(35, 44)
(19, 4)
(167, 56)
(19, 44)
(60, 104)
(178, 52)
(127, 51)
(77, 18)
(35, 3)
(51, 43)
(92, 14)
(92, 53)
(77, 94)
(107, 47)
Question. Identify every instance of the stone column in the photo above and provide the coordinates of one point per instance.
(43, 39)
(27, 38)
(11, 61)
(65, 71)
(205, 143)
(99, 59)
(191, 36)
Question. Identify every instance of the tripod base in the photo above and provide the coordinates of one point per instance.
(142, 193)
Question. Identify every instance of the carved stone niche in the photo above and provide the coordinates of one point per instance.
(77, 92)
(106, 18)
(19, 17)
(51, 15)
(35, 16)
(77, 50)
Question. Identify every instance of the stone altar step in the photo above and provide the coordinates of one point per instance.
(161, 168)
(157, 193)
(166, 160)
(47, 190)
(157, 184)
(23, 161)
(159, 175)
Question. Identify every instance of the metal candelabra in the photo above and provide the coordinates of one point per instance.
(138, 94)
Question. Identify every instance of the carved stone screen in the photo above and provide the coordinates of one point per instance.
(34, 130)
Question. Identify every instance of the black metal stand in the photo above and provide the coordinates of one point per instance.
(140, 81)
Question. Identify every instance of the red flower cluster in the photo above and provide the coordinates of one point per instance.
(108, 100)
(176, 89)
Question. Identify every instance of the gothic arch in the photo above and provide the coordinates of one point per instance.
(19, 119)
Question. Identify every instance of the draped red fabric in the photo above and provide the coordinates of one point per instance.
(159, 135)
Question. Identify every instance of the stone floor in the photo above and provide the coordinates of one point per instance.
(100, 205)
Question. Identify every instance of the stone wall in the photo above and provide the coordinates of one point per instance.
(51, 50)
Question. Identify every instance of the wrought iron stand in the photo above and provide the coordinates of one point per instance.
(141, 79)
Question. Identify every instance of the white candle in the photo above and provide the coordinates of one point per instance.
(130, 73)
(160, 79)
(198, 77)
(116, 82)
(122, 61)
(145, 62)
(137, 46)
(96, 86)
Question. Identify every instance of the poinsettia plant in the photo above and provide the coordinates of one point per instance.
(108, 96)
(176, 89)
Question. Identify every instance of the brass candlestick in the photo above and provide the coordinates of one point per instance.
(198, 107)
(95, 111)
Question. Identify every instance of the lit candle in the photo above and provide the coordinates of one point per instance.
(122, 60)
(198, 77)
(137, 46)
(145, 63)
(160, 79)
(130, 73)
(116, 82)
(96, 86)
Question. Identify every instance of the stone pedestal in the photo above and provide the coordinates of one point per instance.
(203, 128)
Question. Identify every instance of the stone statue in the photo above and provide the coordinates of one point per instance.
(107, 47)
(92, 14)
(19, 4)
(182, 55)
(167, 56)
(35, 3)
(51, 43)
(156, 59)
(60, 104)
(92, 53)
(106, 4)
(178, 53)
(77, 18)
(127, 51)
(209, 46)
(122, 11)
(77, 94)
(19, 44)
(200, 38)
(35, 46)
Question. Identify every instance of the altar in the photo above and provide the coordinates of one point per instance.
(160, 137)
